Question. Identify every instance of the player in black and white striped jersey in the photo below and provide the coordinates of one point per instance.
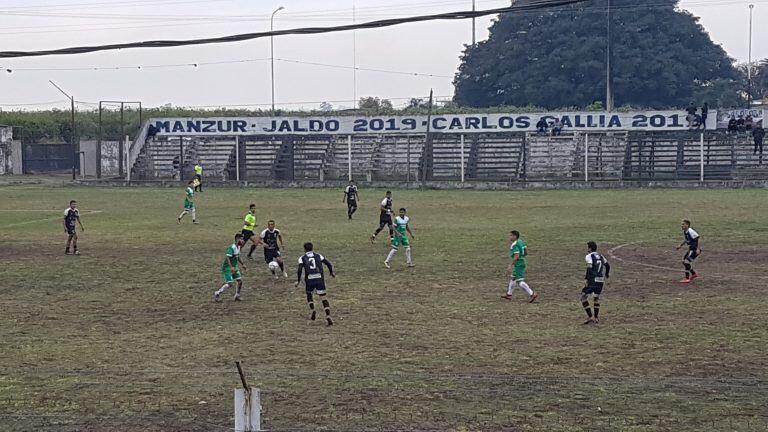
(598, 270)
(311, 264)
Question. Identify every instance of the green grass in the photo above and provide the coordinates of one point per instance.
(125, 337)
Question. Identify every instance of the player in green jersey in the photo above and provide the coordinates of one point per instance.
(230, 270)
(400, 238)
(189, 203)
(516, 269)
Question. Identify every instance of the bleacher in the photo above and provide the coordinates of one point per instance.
(398, 157)
(309, 155)
(503, 157)
(260, 156)
(214, 156)
(446, 156)
(495, 156)
(363, 149)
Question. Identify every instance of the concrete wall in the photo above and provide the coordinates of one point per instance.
(109, 158)
(6, 150)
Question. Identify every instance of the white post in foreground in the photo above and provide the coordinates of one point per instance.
(349, 157)
(237, 157)
(127, 147)
(586, 157)
(701, 156)
(462, 158)
(247, 410)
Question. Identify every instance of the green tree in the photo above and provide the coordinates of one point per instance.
(373, 105)
(662, 57)
(759, 86)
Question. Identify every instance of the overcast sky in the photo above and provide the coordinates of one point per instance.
(242, 77)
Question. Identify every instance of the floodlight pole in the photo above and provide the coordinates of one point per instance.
(272, 53)
(75, 147)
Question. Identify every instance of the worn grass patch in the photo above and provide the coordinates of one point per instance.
(125, 337)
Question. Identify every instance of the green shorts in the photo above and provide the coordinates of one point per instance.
(228, 276)
(398, 241)
(188, 205)
(518, 273)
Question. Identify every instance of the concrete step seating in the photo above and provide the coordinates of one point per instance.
(396, 156)
(157, 157)
(498, 157)
(363, 149)
(552, 157)
(214, 156)
(446, 156)
(309, 155)
(260, 156)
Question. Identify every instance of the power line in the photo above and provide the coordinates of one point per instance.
(534, 5)
(223, 62)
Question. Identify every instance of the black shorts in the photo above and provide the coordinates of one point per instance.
(316, 286)
(385, 219)
(595, 288)
(271, 255)
(247, 235)
(352, 203)
(691, 255)
(71, 230)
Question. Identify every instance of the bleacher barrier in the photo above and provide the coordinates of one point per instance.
(500, 157)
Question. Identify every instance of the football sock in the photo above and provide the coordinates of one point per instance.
(222, 289)
(687, 270)
(596, 307)
(327, 307)
(408, 255)
(253, 248)
(511, 287)
(239, 287)
(586, 308)
(391, 255)
(282, 267)
(194, 214)
(181, 216)
(526, 288)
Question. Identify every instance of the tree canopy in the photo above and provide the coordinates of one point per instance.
(661, 57)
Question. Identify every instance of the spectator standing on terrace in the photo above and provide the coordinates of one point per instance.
(732, 125)
(704, 114)
(758, 134)
(557, 127)
(542, 126)
(691, 115)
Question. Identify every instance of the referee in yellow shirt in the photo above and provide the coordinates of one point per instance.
(249, 226)
(199, 177)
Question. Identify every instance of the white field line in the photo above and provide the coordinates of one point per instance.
(46, 219)
(612, 254)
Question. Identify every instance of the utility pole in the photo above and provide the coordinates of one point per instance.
(474, 25)
(272, 53)
(75, 146)
(749, 62)
(354, 57)
(608, 80)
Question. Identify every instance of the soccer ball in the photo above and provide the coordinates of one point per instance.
(274, 266)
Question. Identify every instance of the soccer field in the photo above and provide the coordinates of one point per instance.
(126, 337)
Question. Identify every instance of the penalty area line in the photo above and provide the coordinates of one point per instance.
(46, 219)
(612, 253)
